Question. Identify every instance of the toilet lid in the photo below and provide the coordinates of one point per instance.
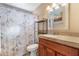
(32, 47)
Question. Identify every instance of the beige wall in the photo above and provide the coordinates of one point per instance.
(41, 11)
(74, 17)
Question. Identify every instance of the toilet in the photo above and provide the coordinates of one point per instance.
(32, 49)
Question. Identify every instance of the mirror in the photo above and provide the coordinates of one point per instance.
(59, 17)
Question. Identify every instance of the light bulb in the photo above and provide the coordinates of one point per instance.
(48, 8)
(54, 5)
(57, 7)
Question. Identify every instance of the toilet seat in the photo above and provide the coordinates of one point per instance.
(32, 47)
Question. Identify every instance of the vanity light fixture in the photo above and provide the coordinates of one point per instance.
(63, 4)
(55, 6)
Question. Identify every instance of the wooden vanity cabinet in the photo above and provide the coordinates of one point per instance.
(50, 52)
(59, 54)
(42, 50)
(50, 48)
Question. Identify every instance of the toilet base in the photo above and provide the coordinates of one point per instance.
(33, 53)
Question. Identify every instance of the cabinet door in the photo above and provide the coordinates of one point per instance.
(50, 52)
(42, 50)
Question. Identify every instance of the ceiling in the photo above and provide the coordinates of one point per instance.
(26, 6)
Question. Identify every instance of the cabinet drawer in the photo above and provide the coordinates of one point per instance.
(60, 48)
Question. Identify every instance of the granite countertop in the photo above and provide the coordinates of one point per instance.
(67, 40)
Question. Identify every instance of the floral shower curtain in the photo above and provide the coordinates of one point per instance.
(16, 31)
